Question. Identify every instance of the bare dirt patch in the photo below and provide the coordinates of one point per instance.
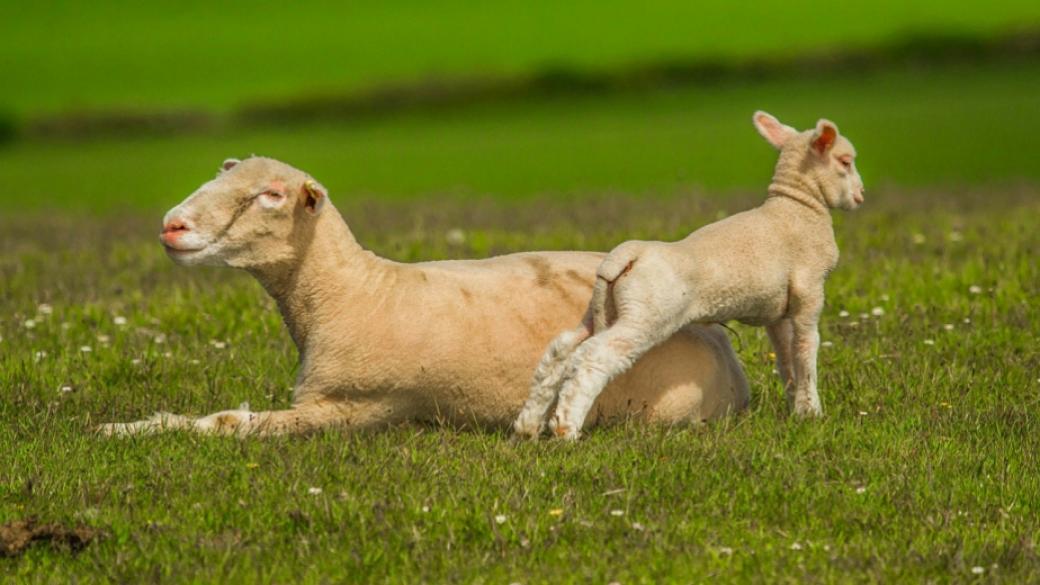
(18, 535)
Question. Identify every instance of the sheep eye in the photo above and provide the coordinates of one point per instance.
(846, 162)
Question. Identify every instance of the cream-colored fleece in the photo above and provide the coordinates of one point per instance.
(766, 266)
(382, 342)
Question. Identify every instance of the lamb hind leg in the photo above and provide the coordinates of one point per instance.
(594, 364)
(548, 376)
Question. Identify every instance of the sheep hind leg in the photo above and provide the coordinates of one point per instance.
(548, 376)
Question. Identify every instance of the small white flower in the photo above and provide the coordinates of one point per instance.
(843, 313)
(967, 320)
(195, 362)
(500, 519)
(796, 546)
(135, 361)
(119, 320)
(826, 343)
(725, 550)
(218, 344)
(978, 570)
(161, 338)
(864, 316)
(975, 289)
(929, 342)
(863, 413)
(877, 311)
(103, 339)
(425, 509)
(86, 349)
(314, 491)
(168, 354)
(617, 512)
(455, 237)
(39, 355)
(861, 490)
(918, 239)
(29, 324)
(45, 309)
(948, 326)
(66, 389)
(853, 323)
(638, 526)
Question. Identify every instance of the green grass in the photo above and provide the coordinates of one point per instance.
(947, 127)
(73, 55)
(923, 468)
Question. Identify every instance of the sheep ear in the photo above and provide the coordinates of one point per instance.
(228, 164)
(314, 196)
(772, 130)
(824, 137)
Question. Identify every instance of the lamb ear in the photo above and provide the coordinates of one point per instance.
(772, 130)
(824, 137)
(314, 196)
(228, 164)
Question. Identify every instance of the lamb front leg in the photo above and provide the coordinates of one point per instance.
(781, 334)
(805, 400)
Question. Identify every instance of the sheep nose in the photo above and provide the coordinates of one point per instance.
(174, 229)
(175, 225)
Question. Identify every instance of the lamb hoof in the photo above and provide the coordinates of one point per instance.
(523, 430)
(807, 411)
(563, 431)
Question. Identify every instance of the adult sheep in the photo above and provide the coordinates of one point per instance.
(382, 342)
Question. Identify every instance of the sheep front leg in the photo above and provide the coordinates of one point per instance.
(300, 419)
(781, 335)
(805, 399)
(548, 376)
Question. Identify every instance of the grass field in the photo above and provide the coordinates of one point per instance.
(923, 469)
(947, 127)
(79, 55)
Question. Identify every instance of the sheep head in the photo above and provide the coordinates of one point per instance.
(256, 212)
(821, 160)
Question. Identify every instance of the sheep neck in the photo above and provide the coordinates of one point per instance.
(331, 276)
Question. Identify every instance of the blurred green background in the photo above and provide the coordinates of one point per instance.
(129, 106)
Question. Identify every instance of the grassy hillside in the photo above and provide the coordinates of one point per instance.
(950, 127)
(60, 55)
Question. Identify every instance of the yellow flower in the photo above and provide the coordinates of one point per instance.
(556, 512)
(252, 465)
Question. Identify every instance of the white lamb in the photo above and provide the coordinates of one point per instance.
(382, 342)
(766, 266)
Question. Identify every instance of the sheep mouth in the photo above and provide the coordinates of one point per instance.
(178, 250)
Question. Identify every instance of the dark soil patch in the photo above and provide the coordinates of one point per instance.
(18, 535)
